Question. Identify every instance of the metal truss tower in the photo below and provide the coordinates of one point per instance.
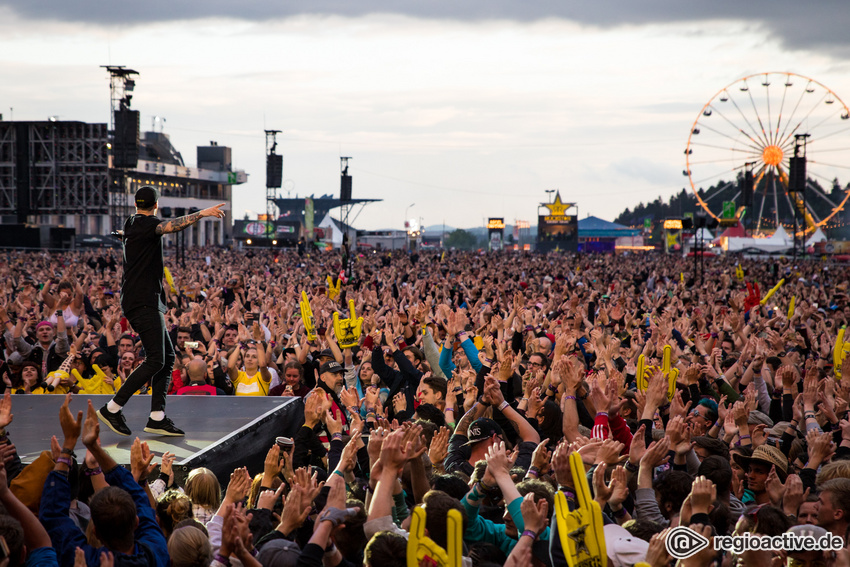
(121, 87)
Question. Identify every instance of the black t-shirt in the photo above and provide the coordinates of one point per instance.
(143, 264)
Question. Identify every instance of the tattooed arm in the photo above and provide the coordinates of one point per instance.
(178, 224)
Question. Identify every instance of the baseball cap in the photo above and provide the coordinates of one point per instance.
(805, 530)
(481, 429)
(146, 197)
(326, 353)
(623, 548)
(279, 553)
(332, 366)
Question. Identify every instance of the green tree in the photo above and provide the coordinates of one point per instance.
(460, 239)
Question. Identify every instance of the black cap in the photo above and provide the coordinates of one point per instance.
(146, 197)
(482, 429)
(332, 366)
(326, 353)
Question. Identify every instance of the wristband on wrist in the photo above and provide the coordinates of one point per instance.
(222, 559)
(66, 451)
(570, 397)
(629, 466)
(503, 405)
(450, 409)
(605, 413)
(744, 437)
(340, 473)
(65, 461)
(336, 436)
(93, 472)
(567, 491)
(530, 534)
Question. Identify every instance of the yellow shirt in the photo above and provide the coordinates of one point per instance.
(251, 385)
(95, 385)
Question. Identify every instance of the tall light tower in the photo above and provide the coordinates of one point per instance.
(124, 140)
(274, 173)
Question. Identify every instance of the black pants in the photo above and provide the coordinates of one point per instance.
(159, 358)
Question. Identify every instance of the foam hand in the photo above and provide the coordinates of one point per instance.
(169, 279)
(307, 318)
(333, 291)
(643, 374)
(671, 374)
(772, 291)
(791, 306)
(422, 550)
(348, 330)
(739, 272)
(580, 531)
(754, 297)
(839, 353)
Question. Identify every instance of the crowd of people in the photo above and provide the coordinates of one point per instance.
(501, 408)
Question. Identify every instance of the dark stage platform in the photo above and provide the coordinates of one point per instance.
(222, 432)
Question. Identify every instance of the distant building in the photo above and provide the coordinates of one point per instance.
(58, 174)
(598, 235)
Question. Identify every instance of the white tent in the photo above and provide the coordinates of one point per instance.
(780, 237)
(818, 236)
(778, 242)
(333, 234)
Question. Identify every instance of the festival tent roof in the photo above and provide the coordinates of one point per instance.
(780, 236)
(594, 227)
(818, 236)
(736, 231)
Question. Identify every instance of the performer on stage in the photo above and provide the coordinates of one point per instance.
(143, 303)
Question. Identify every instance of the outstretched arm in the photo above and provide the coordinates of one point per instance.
(182, 223)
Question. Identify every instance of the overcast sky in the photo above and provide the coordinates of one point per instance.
(462, 109)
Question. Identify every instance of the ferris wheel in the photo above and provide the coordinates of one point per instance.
(750, 130)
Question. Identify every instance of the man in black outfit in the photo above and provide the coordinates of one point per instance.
(143, 303)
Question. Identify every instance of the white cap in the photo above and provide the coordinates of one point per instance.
(623, 549)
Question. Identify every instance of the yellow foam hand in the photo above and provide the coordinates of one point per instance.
(739, 272)
(348, 330)
(169, 279)
(333, 291)
(307, 318)
(670, 374)
(422, 550)
(643, 373)
(839, 353)
(772, 291)
(580, 531)
(791, 306)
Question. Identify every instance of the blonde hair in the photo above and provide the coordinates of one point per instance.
(203, 489)
(256, 485)
(189, 547)
(836, 469)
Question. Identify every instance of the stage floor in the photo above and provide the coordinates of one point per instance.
(207, 420)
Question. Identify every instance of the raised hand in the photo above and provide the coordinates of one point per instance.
(439, 449)
(6, 410)
(70, 427)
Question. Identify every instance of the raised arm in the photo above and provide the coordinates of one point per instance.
(184, 222)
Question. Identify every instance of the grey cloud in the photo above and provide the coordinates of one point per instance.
(797, 24)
